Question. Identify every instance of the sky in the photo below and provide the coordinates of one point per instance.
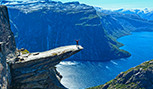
(116, 4)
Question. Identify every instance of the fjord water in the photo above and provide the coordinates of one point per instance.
(84, 74)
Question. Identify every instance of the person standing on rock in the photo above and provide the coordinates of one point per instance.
(77, 42)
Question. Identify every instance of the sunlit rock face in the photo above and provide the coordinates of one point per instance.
(44, 25)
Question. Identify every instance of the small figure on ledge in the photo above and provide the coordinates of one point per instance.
(77, 42)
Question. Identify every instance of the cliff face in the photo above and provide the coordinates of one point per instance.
(43, 25)
(4, 83)
(139, 77)
(7, 48)
(37, 70)
(6, 34)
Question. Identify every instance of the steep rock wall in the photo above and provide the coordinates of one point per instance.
(3, 68)
(6, 34)
(44, 25)
(7, 48)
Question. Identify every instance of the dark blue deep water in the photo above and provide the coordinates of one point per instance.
(80, 75)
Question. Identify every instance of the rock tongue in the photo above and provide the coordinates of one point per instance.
(37, 68)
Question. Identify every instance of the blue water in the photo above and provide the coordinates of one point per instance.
(80, 75)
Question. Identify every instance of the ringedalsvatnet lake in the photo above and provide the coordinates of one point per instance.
(84, 74)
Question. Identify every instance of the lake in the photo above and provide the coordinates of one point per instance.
(84, 74)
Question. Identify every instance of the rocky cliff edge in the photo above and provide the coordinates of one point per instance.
(37, 70)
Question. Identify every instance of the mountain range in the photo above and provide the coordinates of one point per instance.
(118, 24)
(143, 13)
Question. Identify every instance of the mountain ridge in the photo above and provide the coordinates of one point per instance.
(119, 24)
(143, 13)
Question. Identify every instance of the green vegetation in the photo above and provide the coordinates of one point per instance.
(25, 51)
(85, 21)
(145, 65)
(128, 71)
(119, 52)
(91, 16)
(54, 54)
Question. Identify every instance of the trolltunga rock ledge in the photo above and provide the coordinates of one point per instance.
(37, 70)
